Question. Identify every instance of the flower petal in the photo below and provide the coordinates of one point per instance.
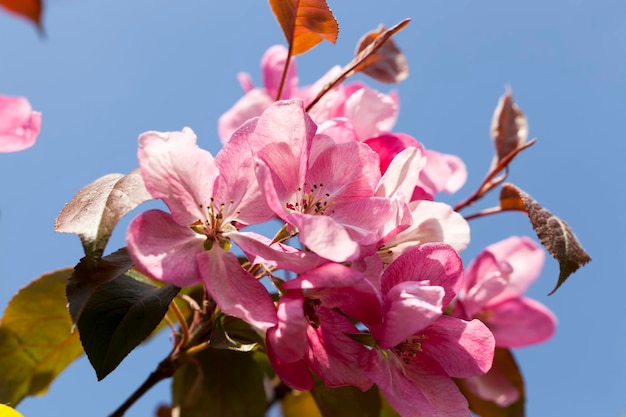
(338, 286)
(295, 374)
(333, 355)
(272, 66)
(235, 290)
(163, 249)
(462, 348)
(415, 394)
(252, 104)
(435, 263)
(519, 322)
(19, 125)
(324, 236)
(289, 340)
(261, 250)
(526, 259)
(176, 170)
(408, 308)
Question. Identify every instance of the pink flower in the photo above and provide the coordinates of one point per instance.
(19, 125)
(256, 100)
(494, 288)
(417, 349)
(323, 190)
(312, 334)
(429, 221)
(206, 197)
(493, 292)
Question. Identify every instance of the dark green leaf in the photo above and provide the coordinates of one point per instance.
(220, 383)
(90, 274)
(503, 364)
(346, 401)
(118, 316)
(36, 339)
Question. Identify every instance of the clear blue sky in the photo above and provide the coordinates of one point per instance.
(107, 71)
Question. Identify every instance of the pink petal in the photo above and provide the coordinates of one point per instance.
(339, 129)
(519, 322)
(388, 145)
(462, 348)
(163, 249)
(282, 140)
(494, 387)
(401, 176)
(338, 286)
(19, 125)
(295, 374)
(252, 104)
(371, 112)
(367, 219)
(333, 355)
(176, 170)
(235, 290)
(260, 250)
(526, 259)
(415, 394)
(288, 339)
(408, 308)
(273, 65)
(434, 263)
(431, 222)
(347, 171)
(443, 172)
(238, 188)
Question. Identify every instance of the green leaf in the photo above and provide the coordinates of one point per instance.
(235, 334)
(95, 210)
(346, 401)
(504, 366)
(220, 383)
(36, 339)
(118, 316)
(555, 235)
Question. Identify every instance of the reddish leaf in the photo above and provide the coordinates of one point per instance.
(29, 9)
(503, 363)
(387, 64)
(509, 128)
(557, 237)
(95, 210)
(359, 60)
(305, 23)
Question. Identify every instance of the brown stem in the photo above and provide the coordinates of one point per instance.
(164, 370)
(489, 211)
(284, 76)
(486, 185)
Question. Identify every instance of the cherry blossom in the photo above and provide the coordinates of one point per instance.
(207, 198)
(417, 349)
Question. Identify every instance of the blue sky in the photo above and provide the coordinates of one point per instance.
(107, 71)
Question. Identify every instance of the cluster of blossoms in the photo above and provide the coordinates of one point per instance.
(364, 267)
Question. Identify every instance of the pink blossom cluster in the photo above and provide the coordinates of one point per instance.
(372, 289)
